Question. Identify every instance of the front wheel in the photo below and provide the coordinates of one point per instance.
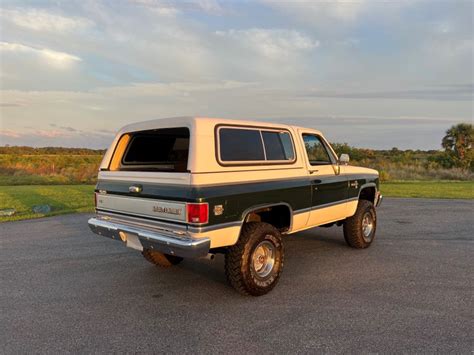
(253, 265)
(359, 230)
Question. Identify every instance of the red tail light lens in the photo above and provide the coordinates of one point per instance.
(95, 199)
(197, 212)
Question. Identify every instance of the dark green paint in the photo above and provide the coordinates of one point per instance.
(328, 190)
(300, 193)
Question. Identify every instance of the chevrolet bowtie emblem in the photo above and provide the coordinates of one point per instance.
(354, 184)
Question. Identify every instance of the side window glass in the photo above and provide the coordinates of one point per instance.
(240, 145)
(278, 145)
(317, 152)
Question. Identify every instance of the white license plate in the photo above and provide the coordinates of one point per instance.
(133, 242)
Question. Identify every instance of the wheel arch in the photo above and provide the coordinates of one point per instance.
(268, 213)
(368, 192)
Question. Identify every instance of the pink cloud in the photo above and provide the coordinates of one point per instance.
(9, 133)
(51, 133)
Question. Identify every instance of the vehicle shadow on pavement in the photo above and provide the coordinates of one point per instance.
(305, 251)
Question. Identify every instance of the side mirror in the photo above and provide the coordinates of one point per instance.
(344, 159)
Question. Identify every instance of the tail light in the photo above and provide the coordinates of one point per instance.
(197, 212)
(95, 199)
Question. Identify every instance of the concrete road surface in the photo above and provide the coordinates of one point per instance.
(64, 289)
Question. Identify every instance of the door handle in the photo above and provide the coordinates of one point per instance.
(313, 171)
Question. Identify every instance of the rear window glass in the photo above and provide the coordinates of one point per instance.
(164, 149)
(278, 145)
(243, 145)
(240, 145)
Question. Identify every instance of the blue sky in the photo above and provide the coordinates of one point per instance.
(370, 73)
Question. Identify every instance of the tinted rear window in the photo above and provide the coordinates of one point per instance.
(162, 149)
(278, 145)
(240, 145)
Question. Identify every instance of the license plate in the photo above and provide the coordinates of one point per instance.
(133, 242)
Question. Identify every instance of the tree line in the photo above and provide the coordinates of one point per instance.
(23, 165)
(25, 150)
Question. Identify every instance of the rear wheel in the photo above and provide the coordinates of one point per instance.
(359, 230)
(160, 259)
(253, 265)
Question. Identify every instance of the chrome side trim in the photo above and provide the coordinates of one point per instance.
(261, 139)
(330, 204)
(303, 210)
(183, 246)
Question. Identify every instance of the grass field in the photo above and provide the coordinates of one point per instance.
(61, 198)
(429, 189)
(79, 198)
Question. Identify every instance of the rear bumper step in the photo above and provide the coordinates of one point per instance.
(138, 238)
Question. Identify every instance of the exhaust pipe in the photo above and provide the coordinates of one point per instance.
(210, 256)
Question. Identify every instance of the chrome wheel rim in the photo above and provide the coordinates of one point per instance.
(367, 226)
(263, 258)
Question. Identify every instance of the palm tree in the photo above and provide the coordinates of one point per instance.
(459, 140)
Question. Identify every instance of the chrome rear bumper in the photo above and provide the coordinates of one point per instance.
(141, 238)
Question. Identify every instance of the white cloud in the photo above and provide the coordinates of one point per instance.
(158, 7)
(272, 43)
(167, 8)
(51, 133)
(335, 17)
(176, 89)
(210, 6)
(342, 10)
(53, 58)
(41, 20)
(347, 10)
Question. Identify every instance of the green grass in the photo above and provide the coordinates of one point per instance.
(429, 189)
(8, 180)
(61, 198)
(79, 198)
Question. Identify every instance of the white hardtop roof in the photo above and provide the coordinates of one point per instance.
(188, 121)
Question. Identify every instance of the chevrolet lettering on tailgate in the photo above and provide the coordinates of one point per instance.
(168, 210)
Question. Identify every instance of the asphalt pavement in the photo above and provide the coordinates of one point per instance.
(65, 289)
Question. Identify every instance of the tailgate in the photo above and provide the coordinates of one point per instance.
(144, 207)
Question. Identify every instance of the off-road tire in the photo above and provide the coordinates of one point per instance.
(239, 266)
(160, 259)
(353, 228)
